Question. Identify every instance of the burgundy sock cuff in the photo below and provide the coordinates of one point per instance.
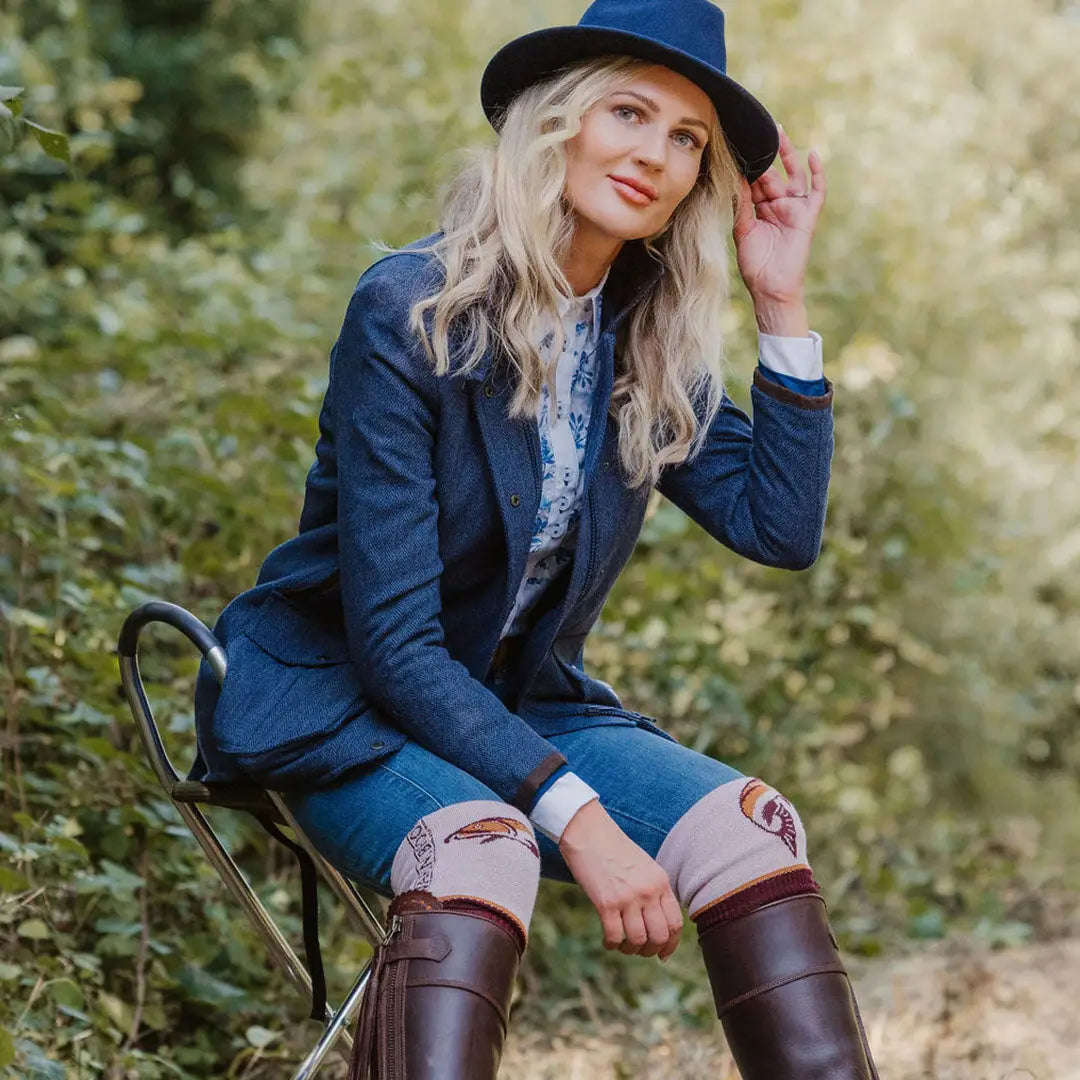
(413, 900)
(492, 913)
(744, 901)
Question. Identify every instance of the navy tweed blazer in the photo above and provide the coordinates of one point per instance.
(378, 621)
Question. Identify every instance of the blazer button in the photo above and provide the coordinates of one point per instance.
(515, 499)
(377, 745)
(489, 390)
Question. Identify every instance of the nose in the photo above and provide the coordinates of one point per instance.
(651, 150)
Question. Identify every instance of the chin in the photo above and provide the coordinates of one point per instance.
(624, 227)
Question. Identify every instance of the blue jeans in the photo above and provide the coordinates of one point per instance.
(645, 782)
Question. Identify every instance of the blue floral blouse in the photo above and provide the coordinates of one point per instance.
(563, 422)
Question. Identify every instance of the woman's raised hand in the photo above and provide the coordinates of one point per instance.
(773, 228)
(629, 890)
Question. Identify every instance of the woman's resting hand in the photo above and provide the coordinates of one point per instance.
(629, 890)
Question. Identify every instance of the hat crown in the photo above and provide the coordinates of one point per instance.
(695, 27)
(686, 36)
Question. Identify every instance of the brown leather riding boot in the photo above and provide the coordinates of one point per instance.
(783, 995)
(437, 1005)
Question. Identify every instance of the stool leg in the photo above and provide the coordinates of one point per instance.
(336, 1029)
(281, 952)
(369, 923)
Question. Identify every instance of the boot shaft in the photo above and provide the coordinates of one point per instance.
(438, 1002)
(783, 995)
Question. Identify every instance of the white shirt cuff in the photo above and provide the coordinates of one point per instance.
(553, 810)
(799, 357)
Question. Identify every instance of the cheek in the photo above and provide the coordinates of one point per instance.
(601, 141)
(686, 177)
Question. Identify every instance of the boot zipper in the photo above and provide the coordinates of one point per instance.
(392, 1013)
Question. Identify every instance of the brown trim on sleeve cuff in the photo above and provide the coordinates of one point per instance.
(782, 393)
(526, 794)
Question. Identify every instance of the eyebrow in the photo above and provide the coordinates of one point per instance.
(656, 108)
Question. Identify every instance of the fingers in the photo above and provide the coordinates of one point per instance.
(817, 178)
(657, 926)
(614, 932)
(652, 928)
(637, 936)
(769, 185)
(673, 915)
(796, 173)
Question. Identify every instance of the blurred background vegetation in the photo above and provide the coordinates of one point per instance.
(916, 693)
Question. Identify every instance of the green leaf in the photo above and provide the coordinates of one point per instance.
(54, 143)
(202, 986)
(35, 929)
(10, 881)
(19, 616)
(66, 992)
(36, 1065)
(117, 1010)
(260, 1036)
(7, 1048)
(122, 878)
(7, 130)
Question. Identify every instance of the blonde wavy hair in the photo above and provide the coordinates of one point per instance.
(506, 226)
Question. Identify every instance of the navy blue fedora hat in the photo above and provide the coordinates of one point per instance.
(684, 35)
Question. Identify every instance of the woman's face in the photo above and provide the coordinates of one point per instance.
(637, 155)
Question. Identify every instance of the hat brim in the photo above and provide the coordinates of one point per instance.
(750, 130)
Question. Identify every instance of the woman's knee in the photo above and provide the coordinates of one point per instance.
(481, 850)
(742, 843)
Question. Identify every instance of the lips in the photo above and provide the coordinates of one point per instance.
(636, 191)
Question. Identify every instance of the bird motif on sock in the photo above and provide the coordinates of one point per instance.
(495, 828)
(769, 810)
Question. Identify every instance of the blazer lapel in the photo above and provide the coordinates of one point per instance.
(512, 448)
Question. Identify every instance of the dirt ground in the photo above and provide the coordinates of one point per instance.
(955, 1011)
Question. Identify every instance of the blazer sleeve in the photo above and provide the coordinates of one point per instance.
(385, 406)
(761, 488)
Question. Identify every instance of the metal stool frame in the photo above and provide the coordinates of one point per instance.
(187, 795)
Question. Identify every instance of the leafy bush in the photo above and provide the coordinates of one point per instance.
(915, 692)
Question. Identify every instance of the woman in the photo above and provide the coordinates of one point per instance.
(503, 397)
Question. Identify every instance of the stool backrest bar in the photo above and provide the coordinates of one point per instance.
(263, 804)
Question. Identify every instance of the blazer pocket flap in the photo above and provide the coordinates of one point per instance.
(300, 636)
(270, 705)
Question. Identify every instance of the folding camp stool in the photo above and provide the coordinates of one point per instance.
(271, 811)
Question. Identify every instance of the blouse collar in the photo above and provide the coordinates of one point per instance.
(586, 302)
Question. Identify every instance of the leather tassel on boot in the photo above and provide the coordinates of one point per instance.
(783, 995)
(438, 1001)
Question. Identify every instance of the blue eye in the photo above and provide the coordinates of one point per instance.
(635, 112)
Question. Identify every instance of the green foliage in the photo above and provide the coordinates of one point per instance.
(164, 98)
(915, 693)
(54, 143)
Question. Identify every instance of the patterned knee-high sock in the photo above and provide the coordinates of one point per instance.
(478, 856)
(737, 848)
